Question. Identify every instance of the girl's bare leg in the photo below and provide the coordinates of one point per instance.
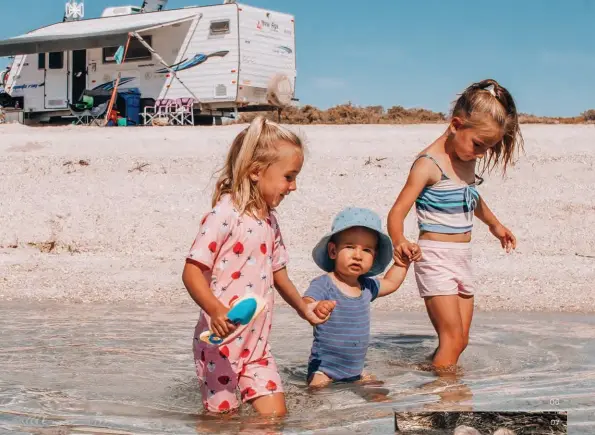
(272, 405)
(445, 314)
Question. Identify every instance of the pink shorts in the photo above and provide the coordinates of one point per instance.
(221, 379)
(444, 269)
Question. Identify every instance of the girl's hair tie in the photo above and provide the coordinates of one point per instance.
(491, 90)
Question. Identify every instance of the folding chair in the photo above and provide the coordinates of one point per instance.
(184, 113)
(163, 108)
(88, 116)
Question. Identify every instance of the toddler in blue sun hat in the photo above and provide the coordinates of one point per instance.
(352, 254)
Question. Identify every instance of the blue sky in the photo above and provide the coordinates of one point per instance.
(414, 53)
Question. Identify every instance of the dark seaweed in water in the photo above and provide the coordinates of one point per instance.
(519, 423)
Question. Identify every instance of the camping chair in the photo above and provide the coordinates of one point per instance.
(91, 105)
(88, 116)
(184, 112)
(163, 108)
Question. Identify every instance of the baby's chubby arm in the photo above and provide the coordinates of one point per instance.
(393, 279)
(290, 294)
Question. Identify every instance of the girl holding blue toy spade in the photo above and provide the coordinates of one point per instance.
(239, 252)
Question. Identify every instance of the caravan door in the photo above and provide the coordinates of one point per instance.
(56, 81)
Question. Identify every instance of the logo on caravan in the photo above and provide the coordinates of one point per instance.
(268, 25)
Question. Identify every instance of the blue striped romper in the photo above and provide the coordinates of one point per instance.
(341, 343)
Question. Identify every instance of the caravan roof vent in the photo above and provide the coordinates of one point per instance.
(120, 10)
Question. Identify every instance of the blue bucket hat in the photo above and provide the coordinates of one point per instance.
(349, 218)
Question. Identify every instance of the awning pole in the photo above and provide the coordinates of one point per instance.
(115, 90)
(160, 59)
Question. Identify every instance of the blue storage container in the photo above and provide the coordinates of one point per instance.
(132, 101)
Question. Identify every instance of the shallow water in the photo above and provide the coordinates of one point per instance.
(87, 368)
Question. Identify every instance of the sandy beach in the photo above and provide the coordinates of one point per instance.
(107, 215)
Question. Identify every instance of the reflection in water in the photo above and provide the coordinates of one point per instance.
(90, 369)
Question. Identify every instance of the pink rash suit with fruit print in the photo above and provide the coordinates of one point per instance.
(241, 254)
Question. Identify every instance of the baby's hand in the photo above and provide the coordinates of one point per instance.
(324, 308)
(406, 252)
(315, 315)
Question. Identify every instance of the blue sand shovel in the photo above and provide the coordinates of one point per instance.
(242, 312)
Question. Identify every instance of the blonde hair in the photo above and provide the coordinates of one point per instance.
(487, 99)
(254, 149)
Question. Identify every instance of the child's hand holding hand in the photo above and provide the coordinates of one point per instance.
(406, 252)
(319, 311)
(220, 324)
(507, 239)
(323, 309)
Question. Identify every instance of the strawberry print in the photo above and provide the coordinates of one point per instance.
(271, 386)
(224, 380)
(213, 246)
(238, 249)
(263, 248)
(233, 299)
(236, 275)
(224, 406)
(222, 264)
(263, 362)
(224, 352)
(248, 392)
(245, 353)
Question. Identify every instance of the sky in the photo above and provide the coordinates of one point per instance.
(413, 53)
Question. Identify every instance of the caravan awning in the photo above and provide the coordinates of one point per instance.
(79, 35)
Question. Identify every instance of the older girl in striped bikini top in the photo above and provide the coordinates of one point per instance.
(483, 128)
(446, 207)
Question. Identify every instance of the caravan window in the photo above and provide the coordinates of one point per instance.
(136, 51)
(41, 61)
(219, 27)
(56, 60)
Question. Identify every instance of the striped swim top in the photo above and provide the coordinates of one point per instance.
(446, 207)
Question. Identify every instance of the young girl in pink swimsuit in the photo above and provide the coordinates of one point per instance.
(239, 251)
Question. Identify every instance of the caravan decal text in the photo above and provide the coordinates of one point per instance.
(16, 88)
(191, 63)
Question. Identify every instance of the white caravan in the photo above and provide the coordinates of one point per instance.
(229, 57)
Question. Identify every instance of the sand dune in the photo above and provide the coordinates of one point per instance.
(92, 214)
